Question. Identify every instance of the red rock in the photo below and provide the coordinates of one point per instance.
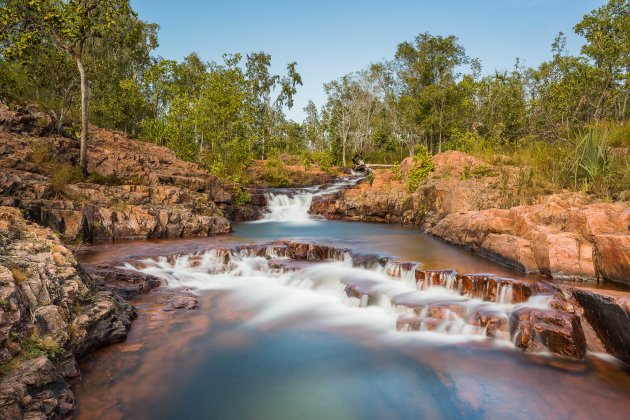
(534, 330)
(612, 257)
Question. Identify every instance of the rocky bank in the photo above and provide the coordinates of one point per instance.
(51, 312)
(136, 190)
(467, 202)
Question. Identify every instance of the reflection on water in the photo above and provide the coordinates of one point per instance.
(207, 364)
(221, 361)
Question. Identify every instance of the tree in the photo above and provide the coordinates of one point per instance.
(264, 84)
(67, 25)
(427, 68)
(607, 32)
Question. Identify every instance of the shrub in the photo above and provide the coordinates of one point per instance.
(240, 196)
(275, 173)
(35, 346)
(422, 166)
(370, 177)
(64, 175)
(43, 153)
(591, 161)
(324, 160)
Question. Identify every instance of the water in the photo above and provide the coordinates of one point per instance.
(270, 343)
(293, 207)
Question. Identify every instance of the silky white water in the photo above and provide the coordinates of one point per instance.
(316, 296)
(294, 207)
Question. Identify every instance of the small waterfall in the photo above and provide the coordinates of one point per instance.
(293, 207)
(330, 290)
(504, 294)
(286, 208)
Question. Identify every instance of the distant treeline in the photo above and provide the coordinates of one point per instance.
(430, 93)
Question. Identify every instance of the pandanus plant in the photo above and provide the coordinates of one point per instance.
(591, 161)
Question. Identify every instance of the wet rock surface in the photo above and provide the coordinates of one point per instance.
(609, 314)
(537, 316)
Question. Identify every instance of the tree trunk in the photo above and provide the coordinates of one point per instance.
(83, 157)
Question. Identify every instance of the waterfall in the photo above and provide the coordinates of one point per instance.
(284, 208)
(336, 293)
(293, 206)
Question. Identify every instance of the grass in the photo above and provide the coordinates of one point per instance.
(111, 179)
(597, 163)
(31, 347)
(18, 275)
(64, 175)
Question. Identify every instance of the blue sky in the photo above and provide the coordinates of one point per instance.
(331, 38)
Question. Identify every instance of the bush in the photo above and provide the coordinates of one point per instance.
(422, 166)
(240, 196)
(43, 153)
(275, 173)
(35, 346)
(64, 175)
(370, 177)
(324, 159)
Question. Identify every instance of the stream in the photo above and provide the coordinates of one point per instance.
(275, 338)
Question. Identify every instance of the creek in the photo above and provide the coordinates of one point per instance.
(275, 337)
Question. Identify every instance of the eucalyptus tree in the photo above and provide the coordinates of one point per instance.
(607, 33)
(428, 68)
(271, 92)
(67, 25)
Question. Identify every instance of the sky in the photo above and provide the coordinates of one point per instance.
(329, 38)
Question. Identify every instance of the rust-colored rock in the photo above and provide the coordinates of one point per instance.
(467, 202)
(560, 332)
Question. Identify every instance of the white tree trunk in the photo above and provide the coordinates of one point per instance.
(83, 157)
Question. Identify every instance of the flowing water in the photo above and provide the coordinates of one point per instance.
(277, 338)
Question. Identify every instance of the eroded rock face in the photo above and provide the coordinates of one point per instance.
(50, 309)
(463, 201)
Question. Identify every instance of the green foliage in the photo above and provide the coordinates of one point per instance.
(422, 166)
(240, 196)
(370, 177)
(275, 173)
(34, 346)
(324, 159)
(591, 161)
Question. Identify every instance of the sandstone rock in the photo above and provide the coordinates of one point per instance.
(537, 330)
(149, 193)
(608, 312)
(612, 257)
(123, 282)
(565, 235)
(49, 303)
